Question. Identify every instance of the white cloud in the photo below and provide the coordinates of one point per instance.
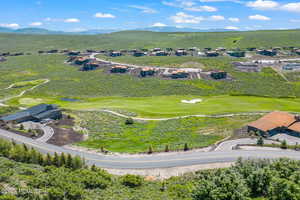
(183, 18)
(232, 28)
(104, 15)
(291, 7)
(234, 19)
(295, 20)
(208, 1)
(217, 18)
(202, 9)
(13, 25)
(190, 6)
(72, 20)
(158, 24)
(263, 4)
(36, 24)
(259, 17)
(179, 3)
(144, 9)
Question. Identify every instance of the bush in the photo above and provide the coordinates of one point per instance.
(132, 180)
(284, 144)
(260, 141)
(129, 121)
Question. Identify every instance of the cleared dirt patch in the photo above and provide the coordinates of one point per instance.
(64, 133)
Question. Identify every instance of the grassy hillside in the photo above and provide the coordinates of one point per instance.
(111, 132)
(140, 39)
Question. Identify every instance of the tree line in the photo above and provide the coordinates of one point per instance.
(22, 153)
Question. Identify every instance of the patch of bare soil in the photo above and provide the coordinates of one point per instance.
(64, 133)
(165, 173)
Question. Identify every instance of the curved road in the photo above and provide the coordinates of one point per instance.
(155, 160)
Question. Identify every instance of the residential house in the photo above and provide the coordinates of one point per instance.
(276, 122)
(119, 69)
(147, 71)
(35, 114)
(218, 74)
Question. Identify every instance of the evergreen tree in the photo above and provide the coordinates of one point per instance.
(62, 159)
(260, 141)
(77, 163)
(186, 148)
(48, 160)
(150, 150)
(56, 160)
(69, 161)
(284, 144)
(167, 148)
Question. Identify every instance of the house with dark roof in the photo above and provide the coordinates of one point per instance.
(35, 114)
(276, 122)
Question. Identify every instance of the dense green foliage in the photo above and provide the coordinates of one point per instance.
(140, 39)
(21, 153)
(111, 132)
(249, 179)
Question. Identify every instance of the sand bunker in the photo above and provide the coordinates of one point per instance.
(193, 101)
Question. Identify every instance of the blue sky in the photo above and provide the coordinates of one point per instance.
(79, 15)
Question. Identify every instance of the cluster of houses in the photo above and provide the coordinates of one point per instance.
(87, 63)
(275, 123)
(5, 54)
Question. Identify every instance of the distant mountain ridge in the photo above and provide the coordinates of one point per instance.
(42, 31)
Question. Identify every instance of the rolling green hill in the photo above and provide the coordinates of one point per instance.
(144, 39)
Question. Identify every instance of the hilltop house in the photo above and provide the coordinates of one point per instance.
(247, 66)
(119, 69)
(92, 65)
(181, 52)
(212, 54)
(147, 71)
(159, 53)
(179, 74)
(276, 122)
(270, 52)
(82, 60)
(218, 74)
(115, 54)
(237, 54)
(291, 66)
(35, 113)
(74, 53)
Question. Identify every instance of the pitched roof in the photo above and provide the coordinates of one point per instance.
(273, 120)
(295, 127)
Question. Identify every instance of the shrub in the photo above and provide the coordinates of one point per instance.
(284, 144)
(129, 121)
(132, 180)
(260, 141)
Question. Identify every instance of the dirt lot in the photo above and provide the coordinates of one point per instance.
(64, 133)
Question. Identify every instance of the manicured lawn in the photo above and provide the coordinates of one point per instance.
(111, 132)
(169, 106)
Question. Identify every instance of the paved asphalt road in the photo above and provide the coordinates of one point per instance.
(153, 161)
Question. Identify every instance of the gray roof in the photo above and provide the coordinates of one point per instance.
(38, 112)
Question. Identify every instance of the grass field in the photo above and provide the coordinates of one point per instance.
(140, 39)
(170, 106)
(110, 132)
